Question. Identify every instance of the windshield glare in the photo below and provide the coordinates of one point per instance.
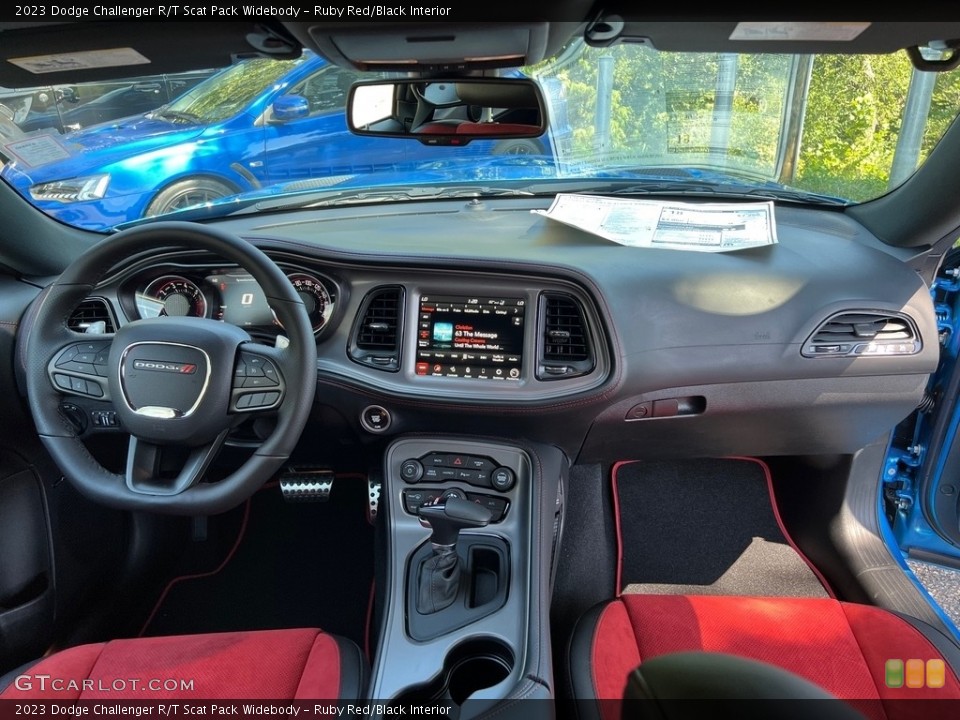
(845, 127)
(229, 91)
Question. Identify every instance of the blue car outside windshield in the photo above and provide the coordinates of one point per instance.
(259, 124)
(626, 119)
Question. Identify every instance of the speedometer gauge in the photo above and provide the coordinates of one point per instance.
(315, 296)
(173, 296)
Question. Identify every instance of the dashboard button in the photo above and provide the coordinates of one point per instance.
(374, 418)
(62, 381)
(496, 505)
(411, 470)
(503, 479)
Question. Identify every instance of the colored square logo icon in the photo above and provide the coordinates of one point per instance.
(914, 673)
(936, 674)
(893, 672)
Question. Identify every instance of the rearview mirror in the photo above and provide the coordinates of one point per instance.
(447, 112)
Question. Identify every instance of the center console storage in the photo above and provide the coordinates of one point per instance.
(463, 618)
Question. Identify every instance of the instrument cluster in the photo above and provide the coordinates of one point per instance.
(229, 294)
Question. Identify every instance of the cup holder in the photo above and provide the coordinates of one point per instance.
(474, 665)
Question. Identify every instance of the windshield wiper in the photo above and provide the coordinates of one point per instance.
(351, 197)
(177, 115)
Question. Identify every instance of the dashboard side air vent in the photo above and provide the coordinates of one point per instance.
(375, 340)
(864, 333)
(565, 349)
(92, 315)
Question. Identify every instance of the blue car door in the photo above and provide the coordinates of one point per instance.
(307, 138)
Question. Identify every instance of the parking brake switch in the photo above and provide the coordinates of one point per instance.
(439, 578)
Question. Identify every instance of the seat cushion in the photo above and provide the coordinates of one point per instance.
(268, 664)
(841, 647)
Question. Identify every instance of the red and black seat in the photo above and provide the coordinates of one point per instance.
(266, 664)
(840, 647)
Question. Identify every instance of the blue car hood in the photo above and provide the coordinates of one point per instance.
(92, 150)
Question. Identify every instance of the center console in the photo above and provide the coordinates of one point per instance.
(464, 612)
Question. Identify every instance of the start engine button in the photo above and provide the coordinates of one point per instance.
(375, 419)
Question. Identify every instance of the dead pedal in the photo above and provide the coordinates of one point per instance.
(301, 484)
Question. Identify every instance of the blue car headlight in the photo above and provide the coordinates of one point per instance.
(91, 187)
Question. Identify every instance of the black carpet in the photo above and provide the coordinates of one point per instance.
(705, 527)
(297, 565)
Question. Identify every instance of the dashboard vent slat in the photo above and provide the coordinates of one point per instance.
(565, 349)
(863, 333)
(90, 312)
(376, 334)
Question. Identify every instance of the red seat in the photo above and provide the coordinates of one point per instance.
(267, 664)
(841, 647)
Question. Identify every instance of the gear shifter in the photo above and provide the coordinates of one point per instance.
(439, 578)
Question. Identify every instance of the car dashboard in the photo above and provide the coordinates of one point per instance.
(483, 318)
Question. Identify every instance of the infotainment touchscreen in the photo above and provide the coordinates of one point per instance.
(470, 337)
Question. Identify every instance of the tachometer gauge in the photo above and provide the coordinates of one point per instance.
(315, 296)
(173, 296)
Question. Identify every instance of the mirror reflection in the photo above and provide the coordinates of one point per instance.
(448, 111)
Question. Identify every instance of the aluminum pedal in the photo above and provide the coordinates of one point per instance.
(299, 484)
(373, 498)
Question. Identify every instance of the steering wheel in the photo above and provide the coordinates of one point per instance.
(178, 385)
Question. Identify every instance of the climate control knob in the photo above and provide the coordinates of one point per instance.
(503, 479)
(411, 470)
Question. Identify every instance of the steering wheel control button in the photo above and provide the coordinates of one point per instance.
(503, 479)
(82, 358)
(375, 419)
(411, 471)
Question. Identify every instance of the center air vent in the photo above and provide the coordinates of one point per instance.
(564, 349)
(92, 315)
(375, 340)
(864, 333)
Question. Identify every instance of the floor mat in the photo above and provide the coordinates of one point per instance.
(294, 565)
(705, 527)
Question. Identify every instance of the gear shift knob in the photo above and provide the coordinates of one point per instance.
(448, 519)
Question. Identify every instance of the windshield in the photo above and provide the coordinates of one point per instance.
(266, 135)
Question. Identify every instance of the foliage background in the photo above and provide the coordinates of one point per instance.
(663, 106)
